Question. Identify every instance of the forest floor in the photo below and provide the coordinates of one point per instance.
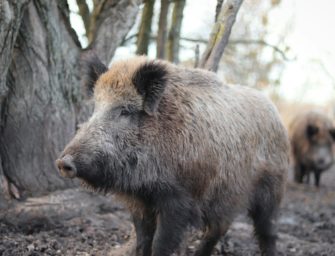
(76, 222)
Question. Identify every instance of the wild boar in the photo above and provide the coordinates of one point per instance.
(180, 149)
(312, 135)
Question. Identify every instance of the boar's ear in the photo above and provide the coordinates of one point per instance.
(311, 130)
(92, 68)
(332, 133)
(150, 81)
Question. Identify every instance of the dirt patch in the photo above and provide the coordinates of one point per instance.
(76, 222)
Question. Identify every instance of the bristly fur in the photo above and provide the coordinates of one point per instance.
(310, 131)
(150, 81)
(200, 150)
(93, 68)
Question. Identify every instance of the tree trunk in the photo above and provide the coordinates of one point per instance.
(174, 34)
(218, 9)
(112, 23)
(40, 95)
(10, 20)
(220, 35)
(144, 32)
(162, 29)
(84, 12)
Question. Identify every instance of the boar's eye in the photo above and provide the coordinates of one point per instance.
(127, 110)
(78, 126)
(124, 112)
(311, 130)
(332, 133)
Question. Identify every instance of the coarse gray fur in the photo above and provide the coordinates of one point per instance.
(181, 148)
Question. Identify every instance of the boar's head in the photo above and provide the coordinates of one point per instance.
(108, 149)
(320, 138)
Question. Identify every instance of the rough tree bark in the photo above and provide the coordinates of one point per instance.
(40, 88)
(174, 33)
(143, 37)
(218, 9)
(162, 29)
(10, 20)
(220, 35)
(114, 19)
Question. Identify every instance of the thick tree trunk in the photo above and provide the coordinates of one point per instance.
(10, 19)
(174, 34)
(40, 89)
(220, 35)
(162, 29)
(38, 115)
(144, 32)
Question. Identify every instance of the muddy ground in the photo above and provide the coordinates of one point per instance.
(76, 222)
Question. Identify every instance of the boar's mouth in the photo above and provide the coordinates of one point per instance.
(323, 166)
(105, 173)
(66, 167)
(67, 174)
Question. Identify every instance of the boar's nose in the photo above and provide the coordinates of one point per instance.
(66, 166)
(321, 161)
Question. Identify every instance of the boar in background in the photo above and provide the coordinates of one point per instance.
(312, 136)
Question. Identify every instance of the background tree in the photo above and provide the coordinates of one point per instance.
(174, 32)
(162, 29)
(254, 56)
(144, 33)
(220, 34)
(40, 98)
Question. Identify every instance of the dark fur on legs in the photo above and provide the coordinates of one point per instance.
(176, 213)
(214, 231)
(263, 212)
(317, 176)
(145, 227)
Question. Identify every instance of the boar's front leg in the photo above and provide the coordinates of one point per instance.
(317, 175)
(175, 214)
(214, 231)
(299, 172)
(145, 226)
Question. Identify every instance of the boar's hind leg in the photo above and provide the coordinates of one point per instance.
(263, 211)
(214, 232)
(298, 173)
(145, 227)
(175, 215)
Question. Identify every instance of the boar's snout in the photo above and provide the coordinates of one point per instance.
(66, 166)
(323, 163)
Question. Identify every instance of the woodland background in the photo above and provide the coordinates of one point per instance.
(281, 47)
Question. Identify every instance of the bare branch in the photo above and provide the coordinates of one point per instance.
(325, 70)
(231, 42)
(65, 14)
(129, 38)
(261, 42)
(220, 35)
(194, 40)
